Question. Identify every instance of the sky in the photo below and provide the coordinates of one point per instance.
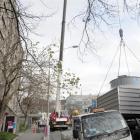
(92, 69)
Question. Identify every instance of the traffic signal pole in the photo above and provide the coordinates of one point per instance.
(58, 106)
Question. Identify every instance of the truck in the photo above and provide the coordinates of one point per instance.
(60, 122)
(100, 125)
(124, 96)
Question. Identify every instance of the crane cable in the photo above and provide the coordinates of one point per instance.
(108, 71)
(121, 37)
(120, 53)
(122, 44)
(135, 56)
(119, 48)
(126, 61)
(119, 13)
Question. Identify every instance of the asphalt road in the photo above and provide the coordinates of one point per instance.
(56, 135)
(61, 135)
(30, 136)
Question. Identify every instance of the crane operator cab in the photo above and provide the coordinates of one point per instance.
(105, 125)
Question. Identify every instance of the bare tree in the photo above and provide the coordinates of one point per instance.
(13, 49)
(37, 77)
(30, 92)
(11, 55)
(99, 14)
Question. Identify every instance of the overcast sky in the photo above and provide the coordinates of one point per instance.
(93, 69)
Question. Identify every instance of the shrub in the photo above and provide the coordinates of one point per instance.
(7, 136)
(22, 127)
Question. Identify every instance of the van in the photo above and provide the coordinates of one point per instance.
(106, 125)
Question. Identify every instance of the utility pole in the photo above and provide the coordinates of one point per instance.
(61, 57)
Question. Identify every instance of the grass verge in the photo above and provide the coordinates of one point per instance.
(7, 136)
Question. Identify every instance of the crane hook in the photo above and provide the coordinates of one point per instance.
(121, 33)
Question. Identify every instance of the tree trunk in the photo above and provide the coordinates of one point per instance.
(3, 108)
(2, 115)
(25, 120)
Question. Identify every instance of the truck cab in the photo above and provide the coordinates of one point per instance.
(106, 125)
(61, 121)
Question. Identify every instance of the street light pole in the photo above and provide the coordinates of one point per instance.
(61, 57)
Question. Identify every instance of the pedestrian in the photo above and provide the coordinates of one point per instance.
(34, 127)
(14, 127)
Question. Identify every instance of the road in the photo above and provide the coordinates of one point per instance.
(61, 135)
(56, 135)
(30, 136)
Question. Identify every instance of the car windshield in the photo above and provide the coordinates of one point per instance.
(102, 123)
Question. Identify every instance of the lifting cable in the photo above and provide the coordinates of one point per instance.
(121, 36)
(116, 52)
(126, 61)
(120, 53)
(135, 56)
(119, 48)
(122, 44)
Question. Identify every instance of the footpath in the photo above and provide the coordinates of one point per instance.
(29, 135)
